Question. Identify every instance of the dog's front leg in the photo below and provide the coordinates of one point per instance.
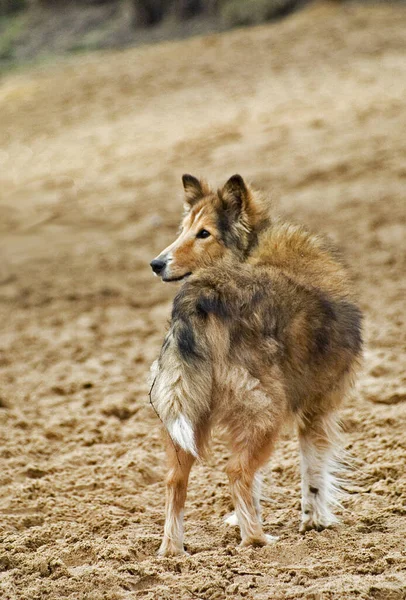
(180, 463)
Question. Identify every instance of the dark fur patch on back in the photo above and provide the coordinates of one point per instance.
(183, 329)
(212, 305)
(186, 341)
(339, 323)
(260, 302)
(350, 318)
(323, 333)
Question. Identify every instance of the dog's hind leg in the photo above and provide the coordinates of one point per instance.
(249, 455)
(318, 438)
(231, 518)
(180, 463)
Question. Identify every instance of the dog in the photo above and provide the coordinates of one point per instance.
(264, 330)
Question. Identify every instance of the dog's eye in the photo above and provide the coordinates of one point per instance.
(203, 233)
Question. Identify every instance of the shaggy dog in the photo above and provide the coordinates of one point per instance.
(264, 330)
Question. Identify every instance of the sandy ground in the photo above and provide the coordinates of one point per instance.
(91, 152)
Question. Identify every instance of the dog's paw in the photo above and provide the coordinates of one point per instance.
(315, 522)
(168, 548)
(231, 519)
(263, 540)
(271, 539)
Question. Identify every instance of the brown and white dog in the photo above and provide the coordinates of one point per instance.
(264, 330)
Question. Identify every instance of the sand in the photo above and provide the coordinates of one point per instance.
(92, 148)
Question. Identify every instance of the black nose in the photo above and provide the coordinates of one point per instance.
(157, 265)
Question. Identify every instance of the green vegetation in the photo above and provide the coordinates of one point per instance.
(250, 12)
(9, 7)
(10, 29)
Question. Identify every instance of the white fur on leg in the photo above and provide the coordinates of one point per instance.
(181, 432)
(172, 543)
(271, 538)
(231, 519)
(319, 487)
(249, 521)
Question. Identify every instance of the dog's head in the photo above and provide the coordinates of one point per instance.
(214, 225)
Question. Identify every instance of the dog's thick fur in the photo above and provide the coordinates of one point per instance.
(263, 330)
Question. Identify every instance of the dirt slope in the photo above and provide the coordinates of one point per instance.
(91, 154)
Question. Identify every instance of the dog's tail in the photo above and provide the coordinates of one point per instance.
(182, 378)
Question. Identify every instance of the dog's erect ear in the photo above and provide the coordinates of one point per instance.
(235, 194)
(194, 189)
